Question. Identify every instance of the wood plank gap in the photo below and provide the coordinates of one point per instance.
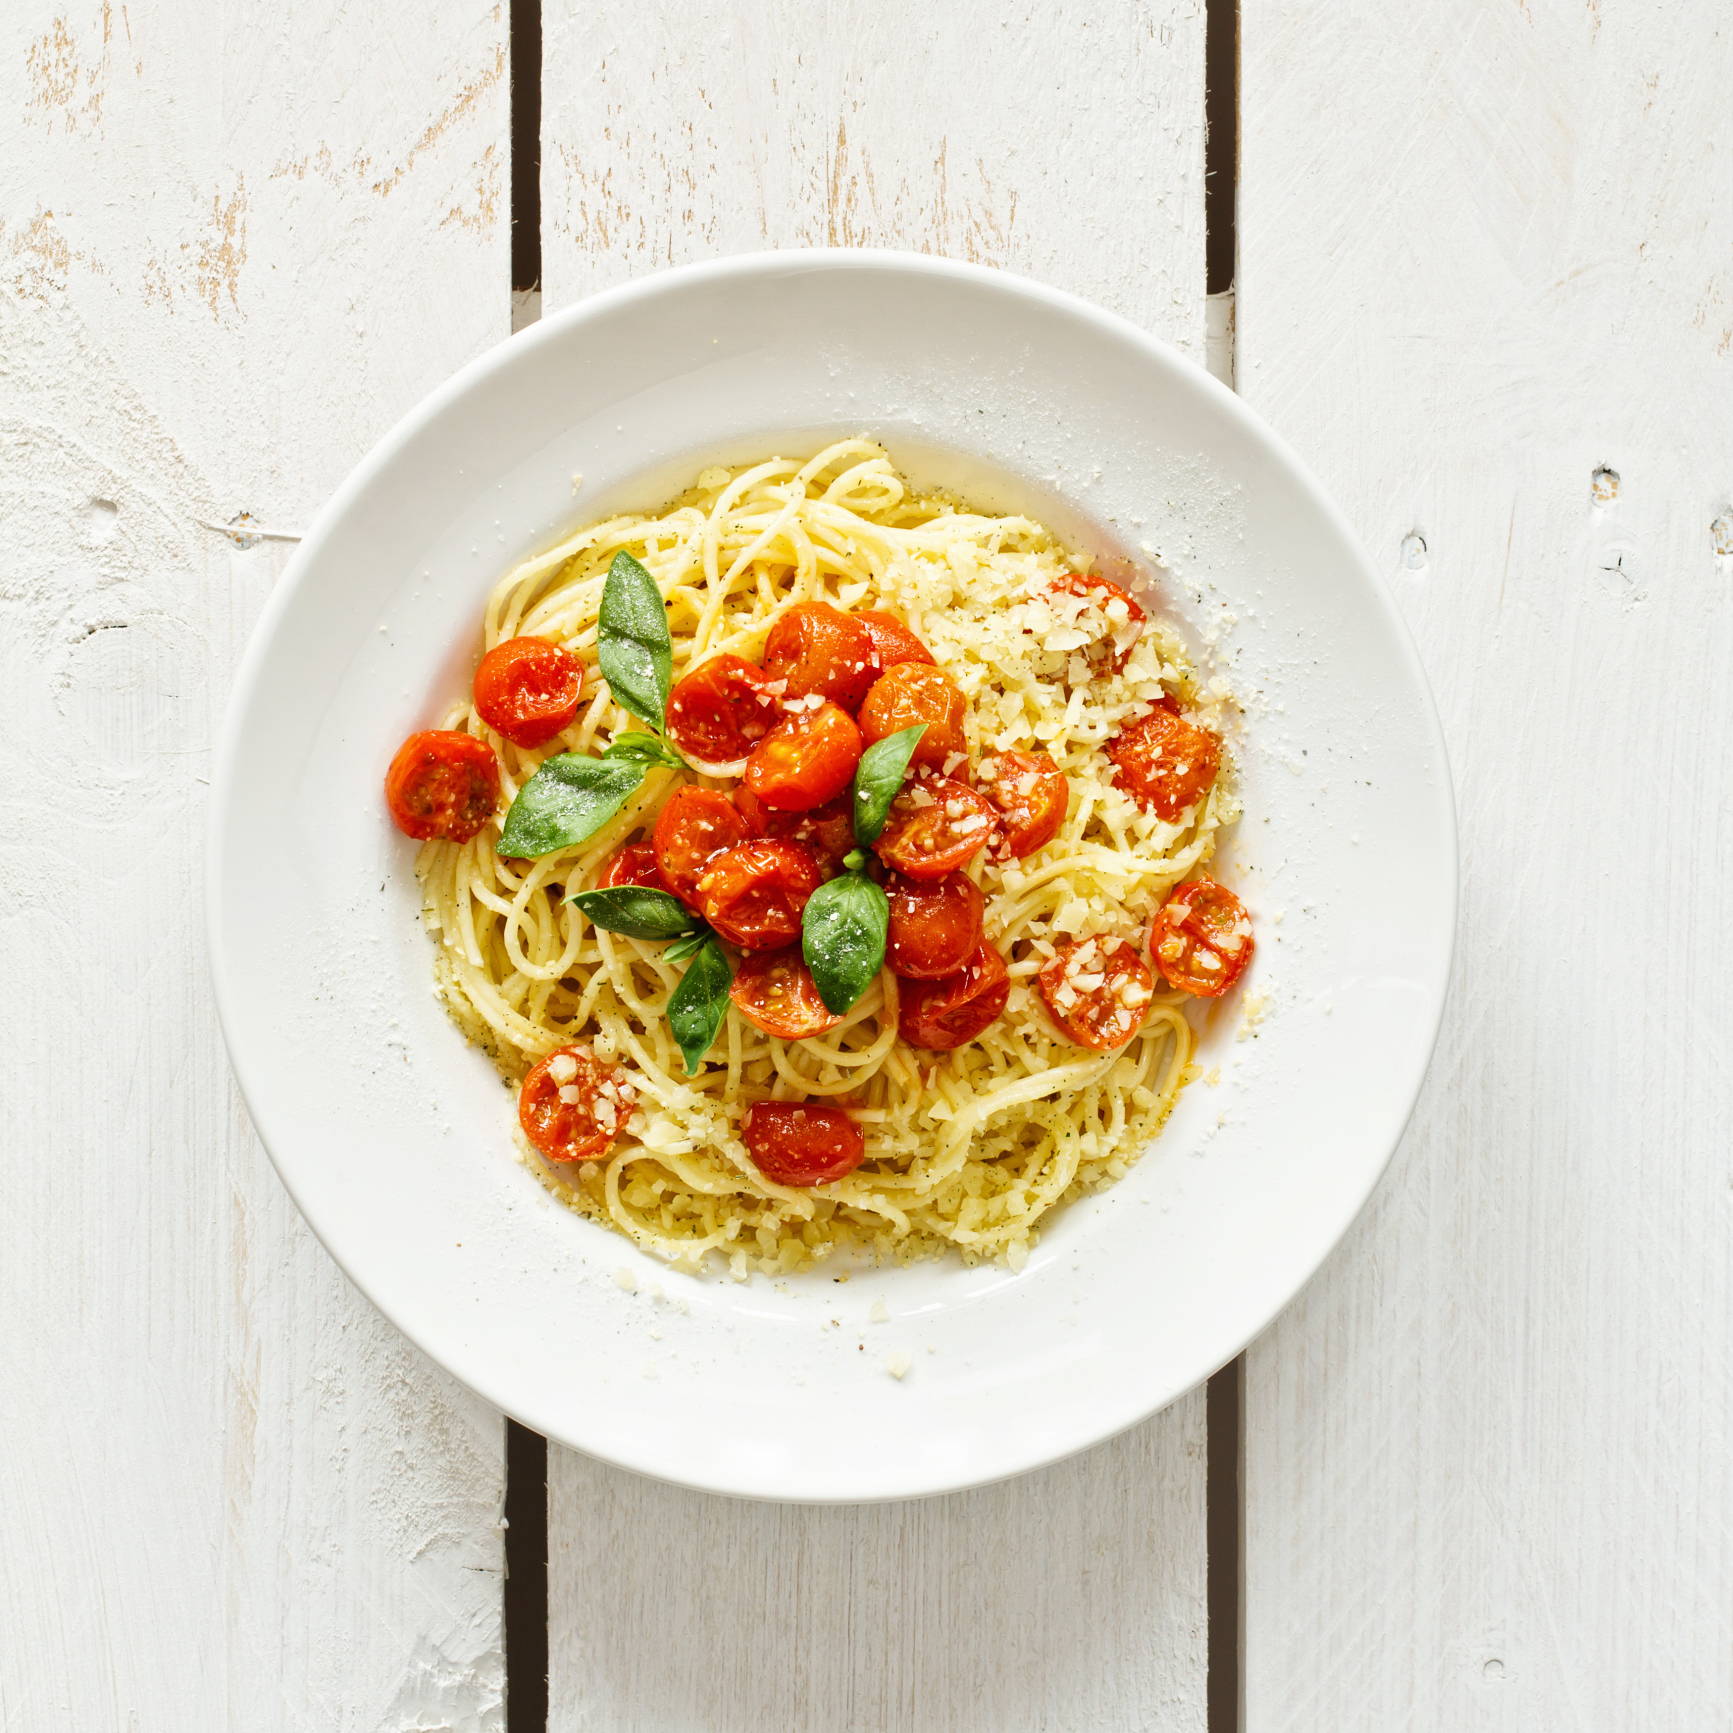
(526, 153)
(1224, 1520)
(526, 1580)
(1221, 120)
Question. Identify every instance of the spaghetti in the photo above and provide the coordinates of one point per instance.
(969, 1148)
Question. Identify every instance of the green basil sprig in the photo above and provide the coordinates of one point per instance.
(846, 922)
(638, 911)
(571, 797)
(633, 643)
(878, 778)
(842, 937)
(697, 1006)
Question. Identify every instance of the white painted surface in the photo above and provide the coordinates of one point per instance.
(236, 242)
(1484, 251)
(1068, 148)
(1070, 1598)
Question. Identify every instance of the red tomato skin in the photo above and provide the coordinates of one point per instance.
(911, 692)
(527, 689)
(1032, 796)
(827, 830)
(956, 1009)
(892, 641)
(719, 711)
(696, 825)
(573, 1131)
(1108, 651)
(754, 894)
(775, 992)
(1165, 762)
(1097, 1017)
(1202, 917)
(635, 864)
(818, 648)
(923, 841)
(794, 1143)
(806, 760)
(935, 925)
(442, 783)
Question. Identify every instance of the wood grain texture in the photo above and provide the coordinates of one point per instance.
(1486, 287)
(236, 242)
(1068, 1598)
(1066, 145)
(1063, 142)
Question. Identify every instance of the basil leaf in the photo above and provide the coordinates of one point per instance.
(698, 1005)
(632, 641)
(569, 798)
(842, 937)
(689, 946)
(877, 780)
(638, 911)
(644, 749)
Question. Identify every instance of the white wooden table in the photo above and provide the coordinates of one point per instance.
(1485, 286)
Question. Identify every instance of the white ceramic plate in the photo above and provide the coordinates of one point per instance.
(394, 1137)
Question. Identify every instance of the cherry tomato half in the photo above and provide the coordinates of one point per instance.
(1096, 605)
(719, 712)
(795, 1143)
(528, 689)
(1165, 762)
(1097, 991)
(827, 830)
(911, 692)
(805, 760)
(892, 641)
(776, 991)
(696, 824)
(1032, 797)
(935, 924)
(754, 895)
(442, 783)
(635, 864)
(1201, 938)
(572, 1106)
(936, 825)
(956, 1009)
(818, 648)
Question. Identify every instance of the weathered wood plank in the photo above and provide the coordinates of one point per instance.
(236, 242)
(1484, 264)
(1066, 146)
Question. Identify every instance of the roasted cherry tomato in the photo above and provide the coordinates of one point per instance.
(753, 895)
(936, 825)
(719, 712)
(528, 689)
(827, 830)
(893, 642)
(775, 990)
(696, 824)
(1201, 938)
(635, 864)
(1165, 763)
(1097, 991)
(1031, 795)
(806, 760)
(1098, 606)
(796, 1143)
(935, 924)
(911, 692)
(572, 1106)
(818, 648)
(955, 1009)
(443, 783)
